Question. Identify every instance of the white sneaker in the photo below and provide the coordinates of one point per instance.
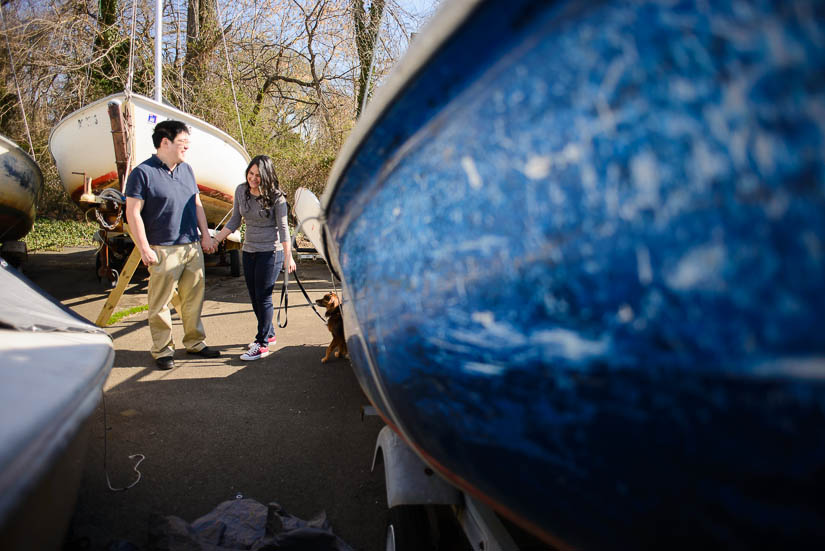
(255, 352)
(270, 341)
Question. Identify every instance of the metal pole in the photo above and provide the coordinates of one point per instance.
(158, 48)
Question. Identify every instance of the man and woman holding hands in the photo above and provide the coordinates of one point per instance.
(169, 227)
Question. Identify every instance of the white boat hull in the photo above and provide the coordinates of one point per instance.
(20, 183)
(53, 364)
(308, 212)
(82, 146)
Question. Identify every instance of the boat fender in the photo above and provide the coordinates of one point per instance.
(409, 480)
(234, 237)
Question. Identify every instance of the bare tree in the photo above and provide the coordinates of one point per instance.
(111, 49)
(295, 64)
(367, 22)
(202, 37)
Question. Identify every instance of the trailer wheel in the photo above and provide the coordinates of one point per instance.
(408, 529)
(235, 262)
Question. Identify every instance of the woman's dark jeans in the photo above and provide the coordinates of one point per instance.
(261, 271)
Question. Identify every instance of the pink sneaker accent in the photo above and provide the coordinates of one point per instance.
(270, 341)
(255, 352)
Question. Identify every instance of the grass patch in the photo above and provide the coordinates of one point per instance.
(54, 235)
(117, 316)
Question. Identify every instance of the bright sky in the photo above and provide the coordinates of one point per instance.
(421, 7)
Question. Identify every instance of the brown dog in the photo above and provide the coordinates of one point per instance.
(335, 324)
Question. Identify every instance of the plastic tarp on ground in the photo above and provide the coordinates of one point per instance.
(244, 524)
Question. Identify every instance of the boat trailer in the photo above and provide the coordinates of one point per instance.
(425, 510)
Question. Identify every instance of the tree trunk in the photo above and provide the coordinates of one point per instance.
(367, 24)
(110, 73)
(202, 35)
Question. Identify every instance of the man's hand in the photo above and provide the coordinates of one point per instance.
(148, 257)
(208, 244)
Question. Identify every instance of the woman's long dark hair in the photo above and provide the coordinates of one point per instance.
(270, 187)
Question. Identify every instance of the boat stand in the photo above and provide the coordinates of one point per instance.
(123, 282)
(112, 205)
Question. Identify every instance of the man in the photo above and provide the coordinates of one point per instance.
(164, 211)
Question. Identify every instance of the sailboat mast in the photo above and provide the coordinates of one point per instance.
(158, 48)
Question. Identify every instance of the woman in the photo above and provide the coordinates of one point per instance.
(262, 205)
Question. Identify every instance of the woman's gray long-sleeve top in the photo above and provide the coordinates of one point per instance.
(263, 233)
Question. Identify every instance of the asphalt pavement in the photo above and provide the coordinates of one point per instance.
(285, 428)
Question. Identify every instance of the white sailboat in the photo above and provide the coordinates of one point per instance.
(83, 150)
(82, 147)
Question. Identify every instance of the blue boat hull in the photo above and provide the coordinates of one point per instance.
(582, 250)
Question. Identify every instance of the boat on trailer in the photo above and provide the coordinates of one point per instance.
(20, 183)
(582, 255)
(53, 364)
(82, 147)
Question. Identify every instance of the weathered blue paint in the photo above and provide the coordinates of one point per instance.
(20, 184)
(583, 256)
(21, 174)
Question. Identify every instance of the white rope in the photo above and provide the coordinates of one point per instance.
(229, 70)
(87, 84)
(131, 72)
(106, 454)
(16, 83)
(225, 216)
(180, 65)
(372, 63)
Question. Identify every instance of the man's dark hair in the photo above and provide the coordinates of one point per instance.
(169, 130)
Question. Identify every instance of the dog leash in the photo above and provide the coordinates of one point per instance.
(285, 299)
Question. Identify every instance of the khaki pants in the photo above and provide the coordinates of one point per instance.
(181, 266)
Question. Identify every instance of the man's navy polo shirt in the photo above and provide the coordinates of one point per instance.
(168, 213)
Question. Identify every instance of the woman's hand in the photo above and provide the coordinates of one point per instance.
(289, 265)
(221, 236)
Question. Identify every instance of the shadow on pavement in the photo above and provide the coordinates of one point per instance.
(279, 429)
(285, 428)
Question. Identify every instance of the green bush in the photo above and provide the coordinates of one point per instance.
(52, 235)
